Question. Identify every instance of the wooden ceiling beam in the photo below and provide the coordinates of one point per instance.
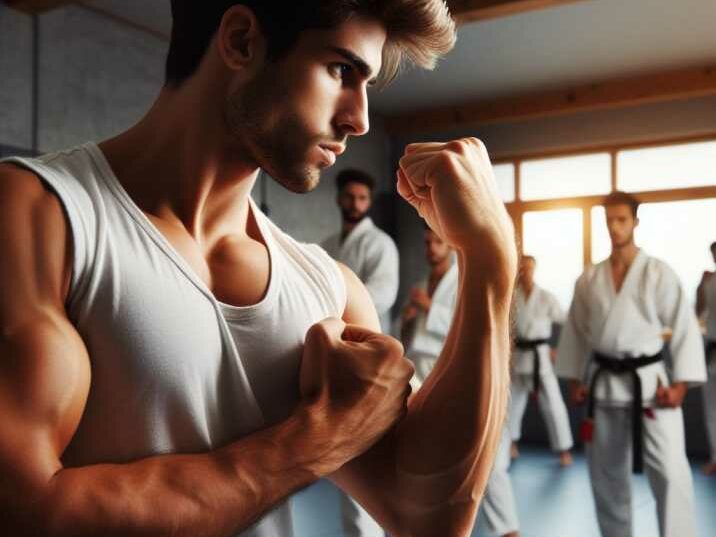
(34, 7)
(666, 86)
(476, 10)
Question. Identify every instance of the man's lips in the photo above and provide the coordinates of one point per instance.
(334, 148)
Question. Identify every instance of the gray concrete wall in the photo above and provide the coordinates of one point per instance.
(15, 78)
(95, 77)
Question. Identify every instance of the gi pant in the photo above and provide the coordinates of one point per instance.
(551, 405)
(498, 505)
(609, 455)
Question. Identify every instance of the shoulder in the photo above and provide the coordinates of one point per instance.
(34, 243)
(359, 305)
(379, 241)
(547, 296)
(590, 273)
(661, 271)
(22, 190)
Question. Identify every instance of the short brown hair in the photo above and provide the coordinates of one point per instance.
(419, 30)
(353, 175)
(622, 198)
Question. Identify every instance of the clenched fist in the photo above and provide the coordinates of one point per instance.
(452, 186)
(355, 383)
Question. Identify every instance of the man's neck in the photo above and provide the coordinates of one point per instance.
(179, 165)
(349, 226)
(527, 287)
(623, 256)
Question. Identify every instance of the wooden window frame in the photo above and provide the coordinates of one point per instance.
(519, 207)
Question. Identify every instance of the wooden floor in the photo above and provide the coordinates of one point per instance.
(551, 502)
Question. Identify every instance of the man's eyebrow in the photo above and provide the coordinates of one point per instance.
(359, 63)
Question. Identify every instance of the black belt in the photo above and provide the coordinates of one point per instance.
(625, 366)
(533, 345)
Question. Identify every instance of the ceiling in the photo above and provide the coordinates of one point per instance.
(554, 48)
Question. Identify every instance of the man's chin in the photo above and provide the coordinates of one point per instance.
(299, 181)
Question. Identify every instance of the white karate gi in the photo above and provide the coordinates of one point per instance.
(372, 255)
(631, 323)
(431, 328)
(534, 317)
(498, 504)
(709, 389)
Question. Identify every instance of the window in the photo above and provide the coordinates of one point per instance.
(564, 177)
(505, 177)
(555, 239)
(678, 232)
(661, 168)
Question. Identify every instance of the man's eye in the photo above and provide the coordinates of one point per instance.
(340, 70)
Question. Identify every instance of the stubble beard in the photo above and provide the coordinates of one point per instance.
(348, 218)
(279, 144)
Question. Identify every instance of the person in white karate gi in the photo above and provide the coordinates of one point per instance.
(536, 310)
(706, 307)
(366, 249)
(611, 349)
(372, 255)
(427, 315)
(498, 504)
(426, 320)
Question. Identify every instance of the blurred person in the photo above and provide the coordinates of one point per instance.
(611, 349)
(536, 310)
(706, 307)
(362, 246)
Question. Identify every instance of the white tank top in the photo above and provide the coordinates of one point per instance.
(173, 369)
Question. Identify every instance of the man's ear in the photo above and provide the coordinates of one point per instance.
(239, 39)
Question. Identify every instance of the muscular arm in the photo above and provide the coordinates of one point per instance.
(427, 477)
(45, 377)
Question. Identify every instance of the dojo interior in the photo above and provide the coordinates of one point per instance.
(574, 99)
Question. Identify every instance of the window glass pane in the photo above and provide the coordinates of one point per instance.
(555, 239)
(678, 232)
(674, 166)
(505, 177)
(565, 177)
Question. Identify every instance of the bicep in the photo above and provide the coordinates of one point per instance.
(359, 305)
(44, 366)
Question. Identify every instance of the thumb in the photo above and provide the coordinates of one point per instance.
(328, 331)
(357, 333)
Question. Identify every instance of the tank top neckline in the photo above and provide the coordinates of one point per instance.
(230, 312)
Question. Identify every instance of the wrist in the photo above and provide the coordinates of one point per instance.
(495, 269)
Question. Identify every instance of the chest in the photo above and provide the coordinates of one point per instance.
(236, 268)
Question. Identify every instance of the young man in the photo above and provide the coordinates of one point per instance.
(611, 349)
(426, 322)
(163, 369)
(706, 306)
(536, 310)
(361, 246)
(427, 316)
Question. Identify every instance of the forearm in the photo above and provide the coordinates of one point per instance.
(452, 429)
(204, 495)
